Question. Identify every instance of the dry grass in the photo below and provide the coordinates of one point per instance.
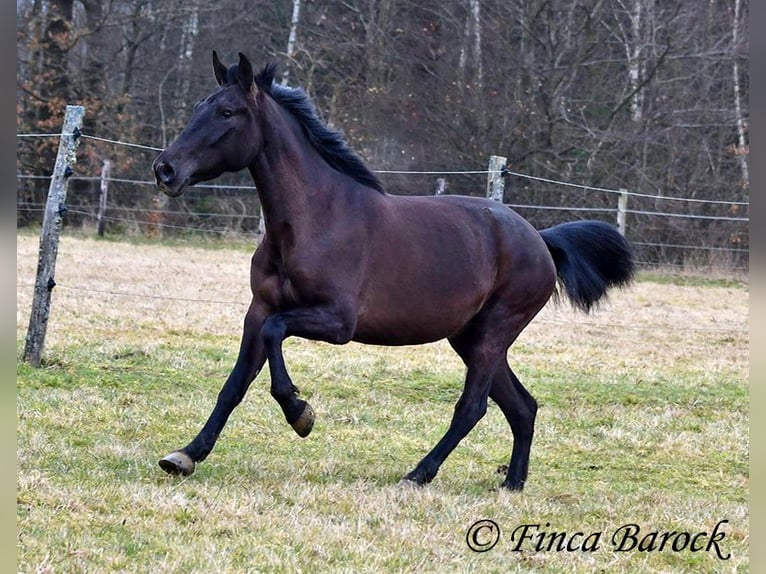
(643, 419)
(650, 325)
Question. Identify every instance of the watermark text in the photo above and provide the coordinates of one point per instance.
(483, 535)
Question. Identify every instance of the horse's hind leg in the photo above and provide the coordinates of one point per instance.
(249, 363)
(520, 409)
(469, 409)
(482, 355)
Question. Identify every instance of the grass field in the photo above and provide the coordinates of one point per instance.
(643, 420)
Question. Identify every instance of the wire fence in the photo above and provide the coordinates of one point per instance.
(582, 321)
(232, 208)
(673, 232)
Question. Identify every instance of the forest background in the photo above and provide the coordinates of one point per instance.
(647, 96)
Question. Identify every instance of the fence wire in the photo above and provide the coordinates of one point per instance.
(539, 320)
(203, 221)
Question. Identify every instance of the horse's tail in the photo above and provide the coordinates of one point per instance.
(590, 257)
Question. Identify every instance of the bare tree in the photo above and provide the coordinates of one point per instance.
(471, 46)
(741, 150)
(292, 38)
(642, 94)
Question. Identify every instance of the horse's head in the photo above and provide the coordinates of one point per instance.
(221, 135)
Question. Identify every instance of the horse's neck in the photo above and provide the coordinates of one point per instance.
(291, 178)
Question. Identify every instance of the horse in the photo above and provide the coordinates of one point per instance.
(342, 260)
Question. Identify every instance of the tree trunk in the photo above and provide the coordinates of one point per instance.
(742, 150)
(188, 44)
(470, 51)
(292, 39)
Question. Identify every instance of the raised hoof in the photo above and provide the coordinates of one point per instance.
(305, 422)
(177, 462)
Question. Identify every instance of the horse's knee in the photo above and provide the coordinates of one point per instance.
(273, 331)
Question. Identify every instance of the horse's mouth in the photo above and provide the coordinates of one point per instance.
(174, 189)
(171, 191)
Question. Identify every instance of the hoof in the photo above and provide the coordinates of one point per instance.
(305, 422)
(418, 478)
(177, 462)
(513, 486)
(410, 483)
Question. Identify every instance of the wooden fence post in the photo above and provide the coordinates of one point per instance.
(106, 168)
(622, 207)
(155, 215)
(495, 178)
(55, 207)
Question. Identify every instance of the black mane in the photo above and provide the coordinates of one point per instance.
(330, 143)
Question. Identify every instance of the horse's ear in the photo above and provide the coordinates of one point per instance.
(265, 78)
(245, 73)
(219, 70)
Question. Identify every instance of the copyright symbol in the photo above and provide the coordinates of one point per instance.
(482, 535)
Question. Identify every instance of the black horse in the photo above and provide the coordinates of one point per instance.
(342, 260)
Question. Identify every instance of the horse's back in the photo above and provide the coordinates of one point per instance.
(503, 237)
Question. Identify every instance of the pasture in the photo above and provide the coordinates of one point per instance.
(643, 420)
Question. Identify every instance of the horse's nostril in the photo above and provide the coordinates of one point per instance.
(165, 173)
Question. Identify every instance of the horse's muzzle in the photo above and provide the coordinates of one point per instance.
(167, 179)
(164, 173)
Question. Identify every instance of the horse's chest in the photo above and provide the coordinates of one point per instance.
(289, 294)
(278, 291)
(277, 281)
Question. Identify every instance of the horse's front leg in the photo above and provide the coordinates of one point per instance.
(249, 363)
(331, 323)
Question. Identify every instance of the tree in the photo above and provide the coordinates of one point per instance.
(640, 94)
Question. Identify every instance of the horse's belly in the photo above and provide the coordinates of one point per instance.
(416, 320)
(403, 335)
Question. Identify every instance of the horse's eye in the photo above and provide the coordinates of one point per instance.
(226, 113)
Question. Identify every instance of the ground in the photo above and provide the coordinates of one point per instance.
(643, 420)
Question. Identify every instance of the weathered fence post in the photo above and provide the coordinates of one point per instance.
(496, 177)
(55, 207)
(622, 207)
(441, 186)
(106, 168)
(155, 215)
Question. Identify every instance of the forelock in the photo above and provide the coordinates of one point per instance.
(231, 74)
